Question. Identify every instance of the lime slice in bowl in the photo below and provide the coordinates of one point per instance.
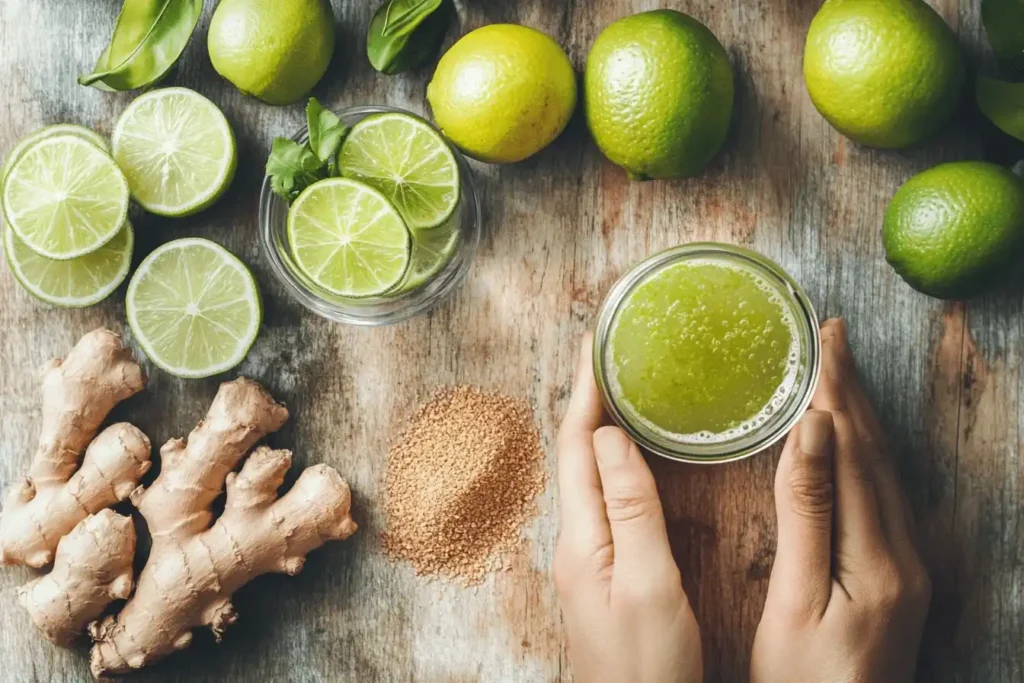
(194, 308)
(177, 150)
(74, 283)
(86, 134)
(406, 160)
(432, 250)
(348, 238)
(65, 197)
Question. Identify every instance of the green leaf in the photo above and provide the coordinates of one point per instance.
(1004, 24)
(405, 34)
(1003, 104)
(326, 131)
(148, 39)
(293, 167)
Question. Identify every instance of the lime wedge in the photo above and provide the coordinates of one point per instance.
(432, 250)
(65, 197)
(177, 150)
(348, 238)
(49, 131)
(409, 162)
(74, 283)
(194, 308)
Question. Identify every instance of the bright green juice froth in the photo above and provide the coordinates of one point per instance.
(703, 350)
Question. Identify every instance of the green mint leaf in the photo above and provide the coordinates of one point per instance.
(1004, 24)
(292, 168)
(1003, 104)
(326, 130)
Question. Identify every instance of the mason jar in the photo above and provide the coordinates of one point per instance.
(376, 310)
(776, 419)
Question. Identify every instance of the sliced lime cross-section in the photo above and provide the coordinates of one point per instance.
(194, 308)
(74, 283)
(49, 131)
(408, 161)
(348, 238)
(432, 250)
(65, 197)
(177, 150)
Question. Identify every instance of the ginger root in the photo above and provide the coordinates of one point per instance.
(59, 511)
(196, 564)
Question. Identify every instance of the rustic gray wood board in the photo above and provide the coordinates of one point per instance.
(560, 228)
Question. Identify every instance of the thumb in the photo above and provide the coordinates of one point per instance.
(634, 511)
(804, 501)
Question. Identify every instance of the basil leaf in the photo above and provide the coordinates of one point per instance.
(405, 34)
(148, 39)
(1004, 24)
(292, 167)
(1003, 104)
(326, 130)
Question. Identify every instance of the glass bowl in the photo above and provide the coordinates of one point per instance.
(748, 442)
(380, 310)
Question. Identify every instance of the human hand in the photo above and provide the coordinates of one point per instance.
(848, 594)
(621, 594)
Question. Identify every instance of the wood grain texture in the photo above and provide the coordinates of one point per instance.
(560, 228)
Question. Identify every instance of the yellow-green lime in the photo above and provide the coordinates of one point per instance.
(74, 283)
(348, 238)
(884, 73)
(406, 160)
(432, 251)
(177, 151)
(276, 50)
(65, 197)
(503, 92)
(194, 308)
(86, 134)
(658, 92)
(956, 229)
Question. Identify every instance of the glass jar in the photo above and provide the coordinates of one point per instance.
(777, 421)
(379, 310)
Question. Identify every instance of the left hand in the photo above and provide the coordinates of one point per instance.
(620, 590)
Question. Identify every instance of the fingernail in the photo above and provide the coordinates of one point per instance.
(815, 433)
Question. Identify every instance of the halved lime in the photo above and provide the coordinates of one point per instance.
(194, 308)
(86, 134)
(177, 150)
(431, 252)
(348, 238)
(74, 283)
(65, 197)
(409, 162)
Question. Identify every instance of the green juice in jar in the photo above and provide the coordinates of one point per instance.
(702, 354)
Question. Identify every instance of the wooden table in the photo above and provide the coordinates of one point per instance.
(560, 228)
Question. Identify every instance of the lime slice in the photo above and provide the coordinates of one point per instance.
(177, 150)
(77, 282)
(49, 131)
(409, 162)
(348, 238)
(194, 308)
(432, 250)
(65, 197)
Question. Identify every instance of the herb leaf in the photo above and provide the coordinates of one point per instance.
(148, 39)
(405, 34)
(292, 167)
(1003, 104)
(1004, 24)
(326, 131)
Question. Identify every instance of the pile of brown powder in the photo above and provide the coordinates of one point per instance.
(460, 483)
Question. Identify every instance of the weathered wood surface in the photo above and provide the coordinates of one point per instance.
(560, 228)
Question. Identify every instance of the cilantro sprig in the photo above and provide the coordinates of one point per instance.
(294, 166)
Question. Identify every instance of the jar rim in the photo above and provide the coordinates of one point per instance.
(377, 311)
(754, 441)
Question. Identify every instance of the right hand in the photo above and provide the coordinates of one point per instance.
(848, 593)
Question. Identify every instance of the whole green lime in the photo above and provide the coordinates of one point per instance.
(956, 229)
(276, 50)
(658, 93)
(884, 73)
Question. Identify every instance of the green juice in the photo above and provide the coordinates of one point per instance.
(703, 350)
